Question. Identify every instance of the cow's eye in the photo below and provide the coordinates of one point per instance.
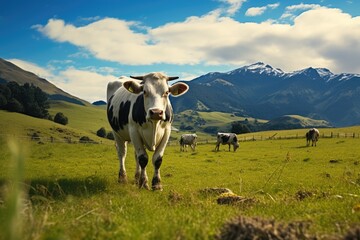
(145, 93)
(166, 94)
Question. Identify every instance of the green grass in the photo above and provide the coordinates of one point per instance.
(88, 118)
(73, 191)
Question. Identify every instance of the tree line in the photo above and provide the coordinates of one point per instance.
(27, 99)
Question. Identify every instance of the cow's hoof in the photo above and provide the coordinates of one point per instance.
(157, 187)
(137, 178)
(144, 184)
(122, 178)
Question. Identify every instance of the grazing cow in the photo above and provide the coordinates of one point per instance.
(313, 136)
(227, 138)
(140, 111)
(188, 139)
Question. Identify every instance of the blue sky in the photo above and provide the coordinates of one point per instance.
(82, 45)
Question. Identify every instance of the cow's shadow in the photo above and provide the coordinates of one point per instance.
(60, 189)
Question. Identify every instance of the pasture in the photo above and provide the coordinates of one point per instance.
(72, 190)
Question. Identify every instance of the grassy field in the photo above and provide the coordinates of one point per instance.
(57, 190)
(72, 190)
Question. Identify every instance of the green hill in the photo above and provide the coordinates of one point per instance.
(23, 126)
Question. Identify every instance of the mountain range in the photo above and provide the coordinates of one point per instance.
(257, 90)
(261, 91)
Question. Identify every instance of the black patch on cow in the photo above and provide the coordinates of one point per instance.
(110, 114)
(169, 116)
(143, 161)
(158, 162)
(225, 138)
(235, 139)
(124, 114)
(138, 111)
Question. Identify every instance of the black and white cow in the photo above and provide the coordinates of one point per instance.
(313, 136)
(188, 140)
(139, 110)
(227, 138)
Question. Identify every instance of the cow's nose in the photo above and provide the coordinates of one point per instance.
(156, 114)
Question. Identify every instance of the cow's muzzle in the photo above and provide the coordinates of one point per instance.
(156, 114)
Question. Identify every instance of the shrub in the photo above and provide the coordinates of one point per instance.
(101, 132)
(61, 118)
(110, 136)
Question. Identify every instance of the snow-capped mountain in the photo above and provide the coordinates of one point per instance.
(261, 91)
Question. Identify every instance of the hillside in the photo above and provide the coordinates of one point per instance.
(213, 122)
(264, 92)
(23, 126)
(12, 73)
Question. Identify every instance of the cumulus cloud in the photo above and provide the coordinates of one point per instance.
(256, 11)
(318, 37)
(84, 84)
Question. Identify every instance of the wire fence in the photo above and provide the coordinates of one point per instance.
(241, 138)
(259, 137)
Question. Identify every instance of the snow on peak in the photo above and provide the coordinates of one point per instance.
(259, 67)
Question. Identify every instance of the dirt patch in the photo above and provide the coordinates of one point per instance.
(226, 196)
(231, 199)
(302, 194)
(256, 228)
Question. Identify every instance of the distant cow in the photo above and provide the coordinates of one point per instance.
(140, 111)
(227, 138)
(313, 136)
(188, 140)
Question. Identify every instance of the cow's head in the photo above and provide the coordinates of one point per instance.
(156, 91)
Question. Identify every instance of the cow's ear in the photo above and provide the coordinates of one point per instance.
(179, 89)
(133, 87)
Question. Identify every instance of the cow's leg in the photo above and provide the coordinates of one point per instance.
(142, 160)
(229, 146)
(217, 147)
(137, 171)
(157, 161)
(121, 148)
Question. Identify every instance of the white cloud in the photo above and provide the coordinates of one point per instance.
(291, 10)
(87, 85)
(31, 67)
(256, 11)
(274, 5)
(234, 6)
(319, 37)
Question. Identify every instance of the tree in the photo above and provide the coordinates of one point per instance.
(101, 132)
(238, 127)
(26, 99)
(14, 105)
(61, 118)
